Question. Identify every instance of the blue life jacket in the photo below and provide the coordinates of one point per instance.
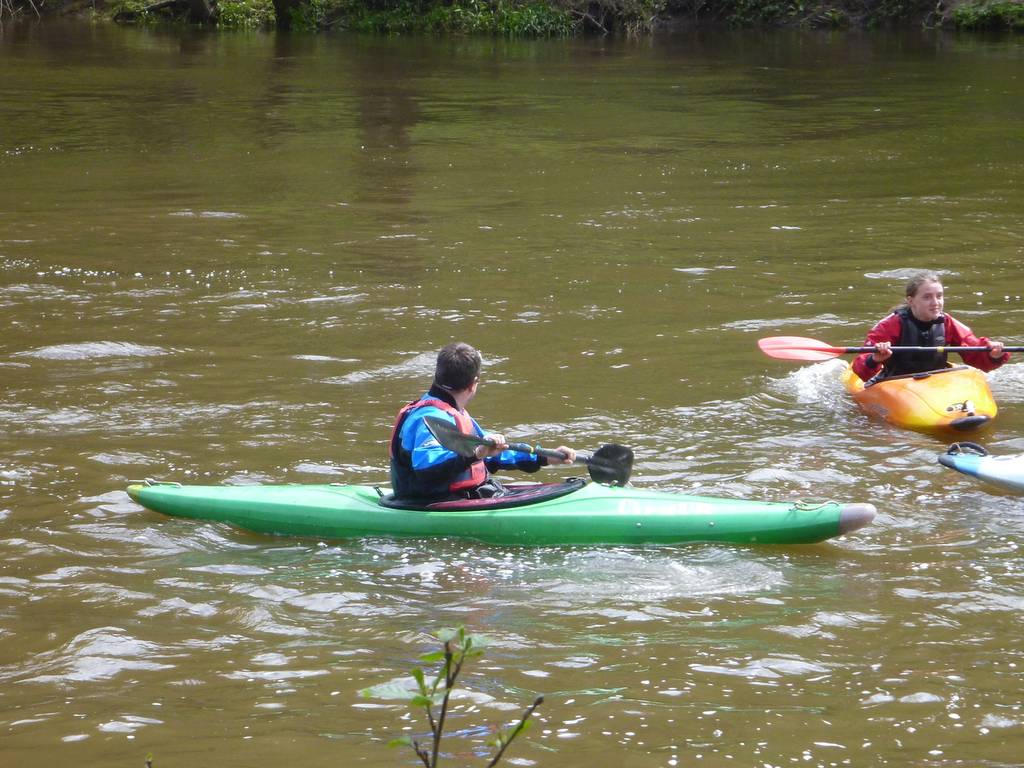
(404, 480)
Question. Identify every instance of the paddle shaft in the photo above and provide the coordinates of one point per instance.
(807, 350)
(536, 450)
(940, 350)
(446, 433)
(610, 464)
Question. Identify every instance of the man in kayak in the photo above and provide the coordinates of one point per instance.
(920, 322)
(422, 469)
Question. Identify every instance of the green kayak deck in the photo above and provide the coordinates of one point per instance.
(584, 514)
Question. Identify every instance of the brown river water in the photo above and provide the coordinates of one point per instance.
(231, 258)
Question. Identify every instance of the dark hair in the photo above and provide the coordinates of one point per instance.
(458, 366)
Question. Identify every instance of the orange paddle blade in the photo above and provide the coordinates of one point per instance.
(799, 348)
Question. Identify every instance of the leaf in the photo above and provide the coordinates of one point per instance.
(420, 700)
(431, 657)
(479, 642)
(399, 689)
(401, 741)
(436, 691)
(448, 633)
(505, 735)
(420, 681)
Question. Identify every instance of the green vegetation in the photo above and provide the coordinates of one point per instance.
(538, 18)
(227, 14)
(529, 18)
(243, 14)
(509, 18)
(433, 698)
(1005, 15)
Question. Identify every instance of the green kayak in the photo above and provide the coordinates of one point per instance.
(572, 512)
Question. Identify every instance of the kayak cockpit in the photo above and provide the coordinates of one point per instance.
(917, 376)
(516, 495)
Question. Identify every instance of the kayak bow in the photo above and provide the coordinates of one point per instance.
(971, 459)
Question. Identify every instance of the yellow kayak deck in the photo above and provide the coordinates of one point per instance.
(955, 398)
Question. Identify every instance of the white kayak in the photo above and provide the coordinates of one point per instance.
(973, 460)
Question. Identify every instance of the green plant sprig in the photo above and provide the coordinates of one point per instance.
(434, 697)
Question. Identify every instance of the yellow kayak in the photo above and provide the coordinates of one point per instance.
(957, 398)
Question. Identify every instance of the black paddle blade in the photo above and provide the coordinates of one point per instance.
(611, 464)
(449, 436)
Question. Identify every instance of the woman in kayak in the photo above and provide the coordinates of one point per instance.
(920, 322)
(422, 469)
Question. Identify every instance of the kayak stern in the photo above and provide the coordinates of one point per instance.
(853, 517)
(968, 423)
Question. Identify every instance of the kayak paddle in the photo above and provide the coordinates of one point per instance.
(812, 350)
(609, 464)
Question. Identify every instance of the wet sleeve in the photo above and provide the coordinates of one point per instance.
(886, 329)
(959, 335)
(523, 462)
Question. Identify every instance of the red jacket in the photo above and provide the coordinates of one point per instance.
(957, 335)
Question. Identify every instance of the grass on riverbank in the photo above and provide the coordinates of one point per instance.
(541, 18)
(510, 18)
(525, 19)
(998, 15)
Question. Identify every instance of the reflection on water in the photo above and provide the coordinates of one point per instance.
(231, 258)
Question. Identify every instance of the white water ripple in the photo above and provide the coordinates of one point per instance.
(96, 654)
(91, 350)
